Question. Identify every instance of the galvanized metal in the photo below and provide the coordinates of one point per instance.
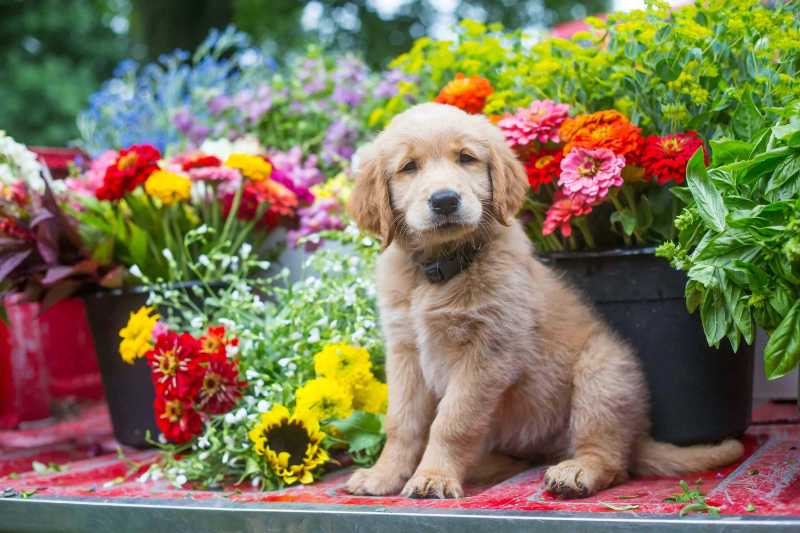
(119, 516)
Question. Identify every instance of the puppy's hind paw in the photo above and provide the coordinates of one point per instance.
(433, 484)
(374, 482)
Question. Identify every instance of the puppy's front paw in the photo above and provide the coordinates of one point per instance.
(575, 478)
(433, 484)
(374, 482)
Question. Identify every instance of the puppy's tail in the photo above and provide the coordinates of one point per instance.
(662, 459)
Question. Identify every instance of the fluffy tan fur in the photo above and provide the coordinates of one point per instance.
(505, 359)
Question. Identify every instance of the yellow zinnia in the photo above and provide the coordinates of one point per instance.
(372, 398)
(349, 365)
(168, 187)
(325, 398)
(252, 167)
(290, 444)
(137, 335)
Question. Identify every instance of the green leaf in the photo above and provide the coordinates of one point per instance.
(713, 317)
(626, 218)
(785, 181)
(709, 200)
(683, 194)
(782, 352)
(747, 120)
(137, 246)
(728, 151)
(358, 423)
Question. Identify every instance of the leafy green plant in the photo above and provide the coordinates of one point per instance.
(739, 241)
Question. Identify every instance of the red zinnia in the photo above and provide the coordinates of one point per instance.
(220, 387)
(132, 168)
(215, 341)
(281, 201)
(200, 161)
(176, 419)
(169, 361)
(543, 166)
(665, 158)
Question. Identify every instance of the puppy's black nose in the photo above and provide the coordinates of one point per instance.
(444, 202)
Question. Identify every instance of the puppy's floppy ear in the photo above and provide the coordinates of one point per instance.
(509, 179)
(369, 204)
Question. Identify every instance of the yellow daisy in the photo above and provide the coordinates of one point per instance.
(137, 335)
(290, 444)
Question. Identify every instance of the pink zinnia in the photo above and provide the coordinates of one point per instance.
(561, 212)
(540, 121)
(91, 180)
(590, 173)
(216, 174)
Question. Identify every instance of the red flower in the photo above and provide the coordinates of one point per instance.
(169, 360)
(665, 158)
(201, 160)
(561, 212)
(132, 168)
(176, 419)
(543, 166)
(281, 201)
(220, 387)
(215, 341)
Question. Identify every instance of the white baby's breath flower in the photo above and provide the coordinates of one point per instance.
(162, 439)
(167, 253)
(263, 406)
(229, 324)
(358, 334)
(251, 374)
(205, 261)
(136, 272)
(366, 241)
(245, 250)
(256, 482)
(180, 480)
(313, 335)
(230, 419)
(197, 322)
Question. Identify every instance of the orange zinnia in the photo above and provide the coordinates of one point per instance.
(468, 94)
(603, 129)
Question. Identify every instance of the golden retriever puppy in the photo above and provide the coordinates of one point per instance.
(490, 355)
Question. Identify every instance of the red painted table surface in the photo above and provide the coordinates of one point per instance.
(768, 478)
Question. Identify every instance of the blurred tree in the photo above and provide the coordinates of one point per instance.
(361, 26)
(55, 53)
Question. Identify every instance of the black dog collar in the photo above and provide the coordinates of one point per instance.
(445, 268)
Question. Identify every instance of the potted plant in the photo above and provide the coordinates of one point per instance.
(224, 154)
(605, 123)
(739, 241)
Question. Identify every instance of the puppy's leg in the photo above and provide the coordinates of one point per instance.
(609, 413)
(409, 416)
(458, 434)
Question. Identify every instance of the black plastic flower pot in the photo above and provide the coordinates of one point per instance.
(129, 390)
(698, 393)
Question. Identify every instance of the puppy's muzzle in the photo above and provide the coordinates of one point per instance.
(444, 202)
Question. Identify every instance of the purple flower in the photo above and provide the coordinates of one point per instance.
(339, 142)
(388, 86)
(291, 163)
(303, 193)
(219, 103)
(321, 216)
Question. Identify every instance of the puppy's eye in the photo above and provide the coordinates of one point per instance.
(465, 158)
(410, 166)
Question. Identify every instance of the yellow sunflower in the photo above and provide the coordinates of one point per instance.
(137, 335)
(325, 398)
(290, 444)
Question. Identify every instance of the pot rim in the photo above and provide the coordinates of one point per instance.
(599, 254)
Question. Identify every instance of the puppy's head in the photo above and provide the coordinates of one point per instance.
(436, 174)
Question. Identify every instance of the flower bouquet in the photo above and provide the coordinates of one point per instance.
(267, 392)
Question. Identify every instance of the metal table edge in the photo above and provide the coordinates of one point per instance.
(84, 514)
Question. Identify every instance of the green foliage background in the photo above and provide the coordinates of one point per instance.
(55, 53)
